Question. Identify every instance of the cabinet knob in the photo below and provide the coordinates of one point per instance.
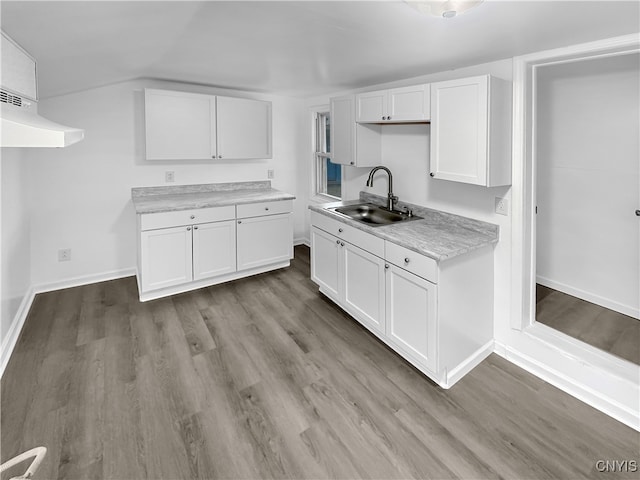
(342, 244)
(389, 117)
(407, 259)
(188, 229)
(337, 242)
(239, 221)
(352, 163)
(383, 117)
(266, 208)
(213, 156)
(339, 230)
(386, 266)
(432, 174)
(637, 213)
(219, 156)
(195, 228)
(192, 217)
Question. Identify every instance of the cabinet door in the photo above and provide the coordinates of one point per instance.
(165, 257)
(459, 130)
(411, 316)
(179, 126)
(244, 128)
(264, 240)
(214, 249)
(409, 104)
(326, 262)
(342, 130)
(371, 106)
(364, 286)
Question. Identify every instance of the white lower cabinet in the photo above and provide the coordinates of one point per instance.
(438, 316)
(264, 240)
(411, 309)
(166, 257)
(225, 245)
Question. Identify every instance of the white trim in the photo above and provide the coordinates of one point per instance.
(589, 297)
(302, 241)
(84, 280)
(622, 411)
(11, 338)
(467, 365)
(601, 380)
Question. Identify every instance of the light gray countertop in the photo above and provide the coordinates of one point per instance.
(186, 197)
(438, 235)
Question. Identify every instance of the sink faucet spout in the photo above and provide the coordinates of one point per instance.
(391, 198)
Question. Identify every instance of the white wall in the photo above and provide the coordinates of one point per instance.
(405, 151)
(82, 194)
(15, 227)
(588, 184)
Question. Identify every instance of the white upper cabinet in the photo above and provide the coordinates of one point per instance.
(471, 131)
(352, 144)
(406, 104)
(244, 128)
(179, 125)
(188, 126)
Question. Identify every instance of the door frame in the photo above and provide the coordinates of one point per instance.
(578, 368)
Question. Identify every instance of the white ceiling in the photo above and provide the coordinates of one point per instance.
(297, 48)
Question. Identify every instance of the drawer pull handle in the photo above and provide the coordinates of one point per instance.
(407, 260)
(339, 230)
(192, 217)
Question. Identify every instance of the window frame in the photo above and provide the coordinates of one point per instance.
(319, 158)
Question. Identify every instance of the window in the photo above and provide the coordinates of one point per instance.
(328, 175)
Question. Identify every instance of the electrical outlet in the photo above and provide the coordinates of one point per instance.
(169, 176)
(270, 173)
(502, 206)
(64, 255)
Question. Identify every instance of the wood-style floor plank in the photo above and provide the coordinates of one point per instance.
(266, 378)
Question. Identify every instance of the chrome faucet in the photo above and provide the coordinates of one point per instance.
(391, 198)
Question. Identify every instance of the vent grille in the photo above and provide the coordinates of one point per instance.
(6, 97)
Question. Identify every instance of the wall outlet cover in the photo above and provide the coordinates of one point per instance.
(169, 176)
(502, 206)
(64, 255)
(270, 173)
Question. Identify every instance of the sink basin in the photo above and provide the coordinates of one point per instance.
(373, 215)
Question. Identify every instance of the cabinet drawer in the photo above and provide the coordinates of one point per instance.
(151, 221)
(350, 234)
(259, 209)
(411, 261)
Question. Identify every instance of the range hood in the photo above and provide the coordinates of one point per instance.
(20, 124)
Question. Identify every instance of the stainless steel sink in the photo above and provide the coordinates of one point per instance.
(373, 215)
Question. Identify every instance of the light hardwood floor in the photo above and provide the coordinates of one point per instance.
(605, 329)
(264, 378)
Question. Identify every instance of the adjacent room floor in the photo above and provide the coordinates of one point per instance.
(605, 329)
(264, 378)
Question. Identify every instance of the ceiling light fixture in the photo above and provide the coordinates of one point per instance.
(445, 9)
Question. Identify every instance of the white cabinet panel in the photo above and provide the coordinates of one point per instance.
(342, 130)
(411, 315)
(179, 125)
(364, 286)
(166, 257)
(258, 209)
(371, 106)
(214, 249)
(325, 262)
(471, 131)
(264, 240)
(409, 104)
(244, 128)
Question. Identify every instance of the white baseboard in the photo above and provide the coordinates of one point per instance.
(589, 297)
(468, 364)
(302, 241)
(583, 392)
(11, 339)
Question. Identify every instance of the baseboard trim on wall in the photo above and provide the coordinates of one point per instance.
(302, 241)
(589, 297)
(579, 390)
(11, 339)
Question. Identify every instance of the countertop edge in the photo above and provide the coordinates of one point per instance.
(381, 233)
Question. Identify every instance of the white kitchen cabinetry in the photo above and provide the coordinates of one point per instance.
(438, 316)
(351, 276)
(189, 126)
(188, 249)
(405, 104)
(352, 144)
(265, 234)
(471, 131)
